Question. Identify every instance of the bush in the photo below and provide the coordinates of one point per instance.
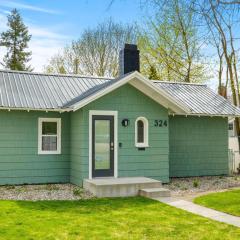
(195, 183)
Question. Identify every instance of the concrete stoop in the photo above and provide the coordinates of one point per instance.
(122, 187)
(155, 192)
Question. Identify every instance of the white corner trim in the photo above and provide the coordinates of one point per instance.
(58, 121)
(145, 132)
(106, 113)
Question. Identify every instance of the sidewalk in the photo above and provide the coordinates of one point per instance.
(200, 210)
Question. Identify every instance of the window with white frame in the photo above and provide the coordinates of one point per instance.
(141, 132)
(49, 136)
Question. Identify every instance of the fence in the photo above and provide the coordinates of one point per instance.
(233, 161)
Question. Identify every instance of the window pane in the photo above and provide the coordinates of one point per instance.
(49, 128)
(102, 144)
(140, 131)
(49, 143)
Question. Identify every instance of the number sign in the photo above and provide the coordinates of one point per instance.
(160, 123)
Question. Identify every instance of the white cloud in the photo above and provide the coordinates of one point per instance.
(42, 51)
(4, 11)
(40, 32)
(13, 4)
(3, 21)
(45, 43)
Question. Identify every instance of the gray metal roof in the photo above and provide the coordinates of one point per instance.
(42, 91)
(23, 90)
(199, 98)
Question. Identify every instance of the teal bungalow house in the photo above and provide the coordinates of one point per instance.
(67, 128)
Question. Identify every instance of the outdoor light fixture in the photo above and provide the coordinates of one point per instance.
(125, 122)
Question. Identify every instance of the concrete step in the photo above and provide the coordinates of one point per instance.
(119, 187)
(154, 192)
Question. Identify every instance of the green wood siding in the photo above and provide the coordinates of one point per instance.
(19, 159)
(198, 146)
(130, 103)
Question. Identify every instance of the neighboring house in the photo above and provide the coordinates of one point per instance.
(233, 145)
(65, 128)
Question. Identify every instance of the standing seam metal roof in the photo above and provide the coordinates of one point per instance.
(24, 90)
(42, 91)
(199, 98)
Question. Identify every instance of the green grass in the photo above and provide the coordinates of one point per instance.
(228, 202)
(121, 218)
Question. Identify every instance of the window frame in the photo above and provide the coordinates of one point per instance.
(231, 132)
(58, 121)
(145, 133)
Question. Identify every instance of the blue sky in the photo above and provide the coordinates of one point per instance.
(54, 23)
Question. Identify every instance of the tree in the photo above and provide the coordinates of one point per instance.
(56, 64)
(153, 73)
(220, 18)
(16, 39)
(96, 52)
(171, 43)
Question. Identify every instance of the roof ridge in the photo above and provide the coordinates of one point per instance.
(55, 74)
(186, 83)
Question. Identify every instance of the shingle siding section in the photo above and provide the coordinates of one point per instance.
(198, 146)
(130, 103)
(19, 159)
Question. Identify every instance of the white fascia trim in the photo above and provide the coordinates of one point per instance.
(204, 115)
(106, 113)
(123, 81)
(161, 92)
(59, 133)
(37, 109)
(103, 92)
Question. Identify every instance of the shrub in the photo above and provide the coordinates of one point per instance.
(195, 183)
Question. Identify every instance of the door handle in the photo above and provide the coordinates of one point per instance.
(111, 146)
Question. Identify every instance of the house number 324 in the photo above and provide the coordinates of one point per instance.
(160, 123)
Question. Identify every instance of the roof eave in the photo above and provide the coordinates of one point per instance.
(135, 75)
(206, 115)
(61, 110)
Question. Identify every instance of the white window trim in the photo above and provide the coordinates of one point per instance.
(145, 133)
(106, 113)
(58, 121)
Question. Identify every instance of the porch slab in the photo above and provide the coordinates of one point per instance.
(119, 187)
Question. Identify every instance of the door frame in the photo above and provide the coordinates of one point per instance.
(115, 117)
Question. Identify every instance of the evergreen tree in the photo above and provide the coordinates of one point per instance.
(16, 39)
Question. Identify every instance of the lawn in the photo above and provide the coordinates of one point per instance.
(228, 202)
(120, 218)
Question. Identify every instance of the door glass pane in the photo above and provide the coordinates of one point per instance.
(102, 144)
